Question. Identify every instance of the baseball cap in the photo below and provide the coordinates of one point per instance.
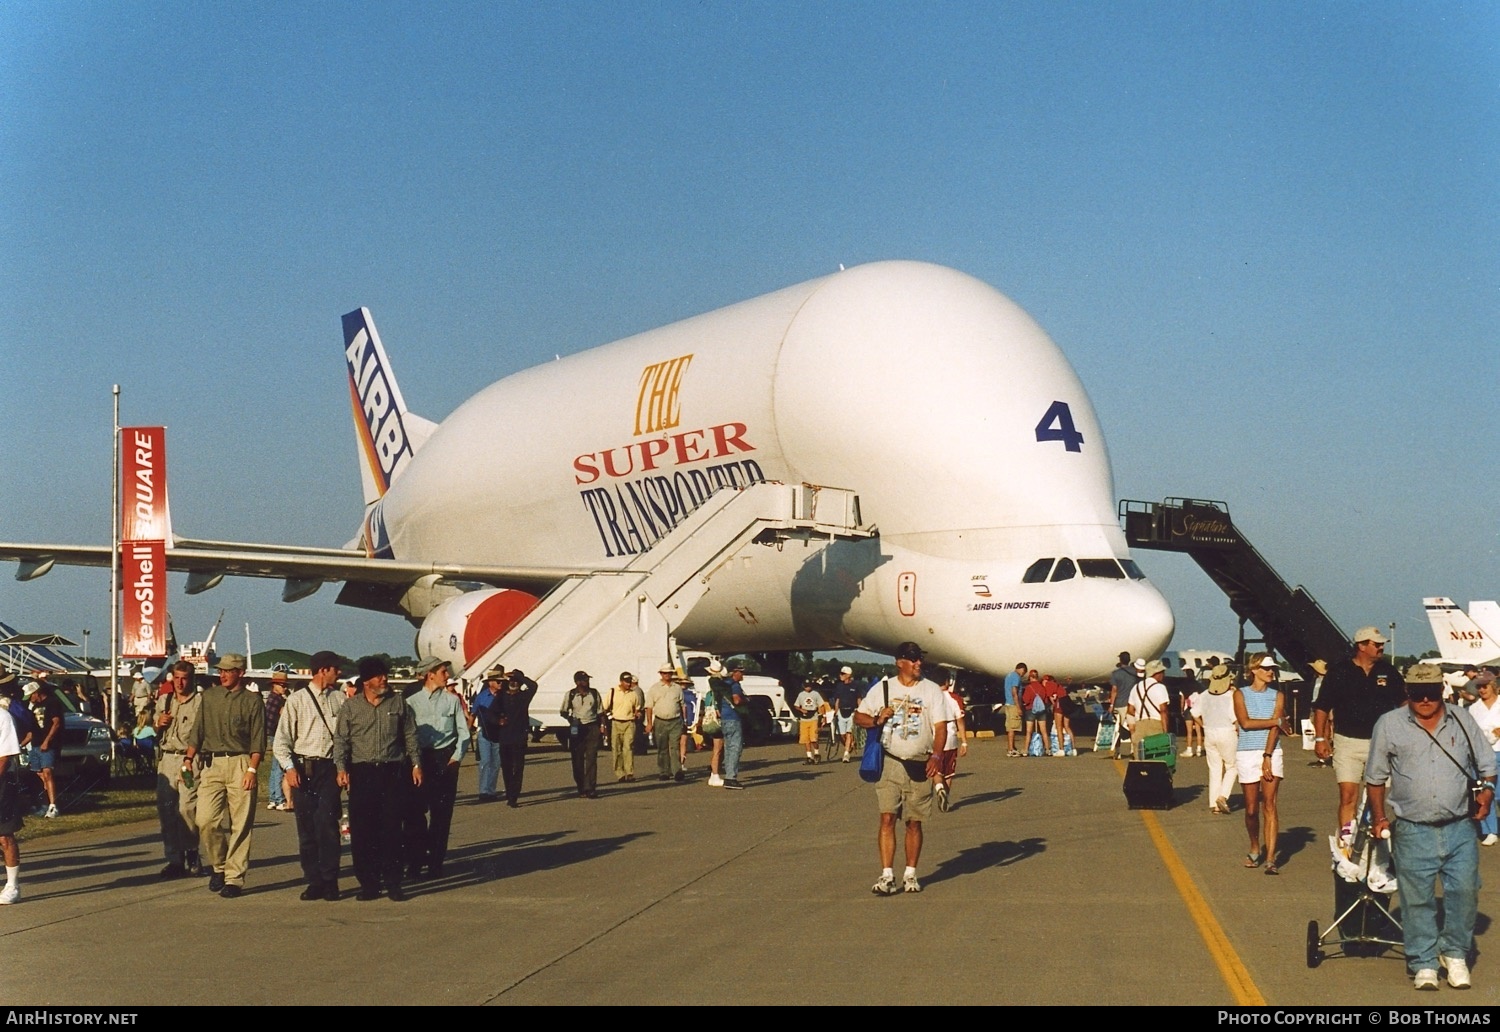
(908, 650)
(846, 670)
(231, 661)
(1370, 634)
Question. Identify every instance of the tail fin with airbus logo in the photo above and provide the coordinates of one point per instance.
(388, 434)
(1459, 639)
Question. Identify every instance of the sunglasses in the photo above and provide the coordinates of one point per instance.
(1424, 692)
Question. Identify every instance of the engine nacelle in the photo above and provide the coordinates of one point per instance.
(461, 629)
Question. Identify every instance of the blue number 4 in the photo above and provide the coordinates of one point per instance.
(1057, 425)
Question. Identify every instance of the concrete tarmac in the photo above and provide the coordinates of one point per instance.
(1040, 887)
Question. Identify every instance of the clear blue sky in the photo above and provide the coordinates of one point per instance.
(1265, 234)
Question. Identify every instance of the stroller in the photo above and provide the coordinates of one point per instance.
(1362, 889)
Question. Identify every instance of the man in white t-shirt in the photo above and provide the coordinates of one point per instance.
(10, 806)
(911, 715)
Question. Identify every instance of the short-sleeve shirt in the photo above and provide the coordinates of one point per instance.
(908, 735)
(1358, 699)
(807, 704)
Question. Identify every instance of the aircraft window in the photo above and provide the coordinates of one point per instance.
(1107, 568)
(1132, 570)
(1065, 570)
(1037, 572)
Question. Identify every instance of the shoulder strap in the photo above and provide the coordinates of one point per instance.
(314, 697)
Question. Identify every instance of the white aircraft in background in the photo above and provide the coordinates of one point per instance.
(979, 466)
(1464, 638)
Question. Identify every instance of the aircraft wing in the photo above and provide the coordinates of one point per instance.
(303, 568)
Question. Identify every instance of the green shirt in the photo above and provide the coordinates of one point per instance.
(229, 722)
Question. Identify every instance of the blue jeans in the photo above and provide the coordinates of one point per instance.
(1423, 853)
(278, 796)
(734, 744)
(489, 765)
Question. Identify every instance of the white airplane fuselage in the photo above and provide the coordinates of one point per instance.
(965, 432)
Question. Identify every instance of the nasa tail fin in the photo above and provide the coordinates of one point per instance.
(387, 433)
(1459, 638)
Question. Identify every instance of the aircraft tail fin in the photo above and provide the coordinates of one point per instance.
(1459, 639)
(387, 433)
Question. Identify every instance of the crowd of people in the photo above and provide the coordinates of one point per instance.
(1414, 760)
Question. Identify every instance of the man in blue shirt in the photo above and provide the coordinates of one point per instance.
(1430, 763)
(1013, 683)
(442, 737)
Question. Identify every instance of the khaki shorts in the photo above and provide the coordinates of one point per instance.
(1012, 718)
(807, 732)
(1349, 756)
(897, 791)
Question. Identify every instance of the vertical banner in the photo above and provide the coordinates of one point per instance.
(143, 483)
(143, 572)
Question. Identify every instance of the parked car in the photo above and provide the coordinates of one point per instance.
(86, 746)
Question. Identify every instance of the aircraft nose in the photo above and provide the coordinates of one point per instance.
(1147, 622)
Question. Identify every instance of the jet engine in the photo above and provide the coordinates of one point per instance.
(461, 629)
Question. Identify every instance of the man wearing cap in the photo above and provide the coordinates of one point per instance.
(727, 696)
(1429, 770)
(378, 760)
(488, 711)
(585, 712)
(1220, 738)
(624, 706)
(809, 707)
(176, 799)
(48, 742)
(1357, 692)
(515, 732)
(845, 700)
(911, 715)
(275, 702)
(442, 737)
(140, 693)
(228, 740)
(664, 722)
(1146, 708)
(304, 746)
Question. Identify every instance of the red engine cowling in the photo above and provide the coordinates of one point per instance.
(461, 629)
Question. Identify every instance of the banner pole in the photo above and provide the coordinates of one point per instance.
(114, 571)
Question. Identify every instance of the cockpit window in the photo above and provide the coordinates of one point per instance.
(1037, 572)
(1107, 568)
(1065, 570)
(1132, 570)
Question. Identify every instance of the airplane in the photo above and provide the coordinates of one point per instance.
(1461, 637)
(980, 470)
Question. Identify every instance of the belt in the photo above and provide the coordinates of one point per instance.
(623, 720)
(173, 752)
(222, 755)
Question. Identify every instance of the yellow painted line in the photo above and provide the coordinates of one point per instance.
(1233, 970)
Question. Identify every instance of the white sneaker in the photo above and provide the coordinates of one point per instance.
(1425, 979)
(714, 781)
(270, 806)
(1489, 840)
(11, 894)
(910, 884)
(1458, 971)
(1346, 836)
(887, 886)
(51, 811)
(941, 792)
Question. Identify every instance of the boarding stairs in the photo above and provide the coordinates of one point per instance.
(1290, 621)
(605, 622)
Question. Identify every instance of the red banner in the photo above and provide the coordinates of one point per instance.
(143, 574)
(143, 483)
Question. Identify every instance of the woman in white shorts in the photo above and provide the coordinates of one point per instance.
(1258, 710)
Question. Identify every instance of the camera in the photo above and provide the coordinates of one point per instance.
(1477, 789)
